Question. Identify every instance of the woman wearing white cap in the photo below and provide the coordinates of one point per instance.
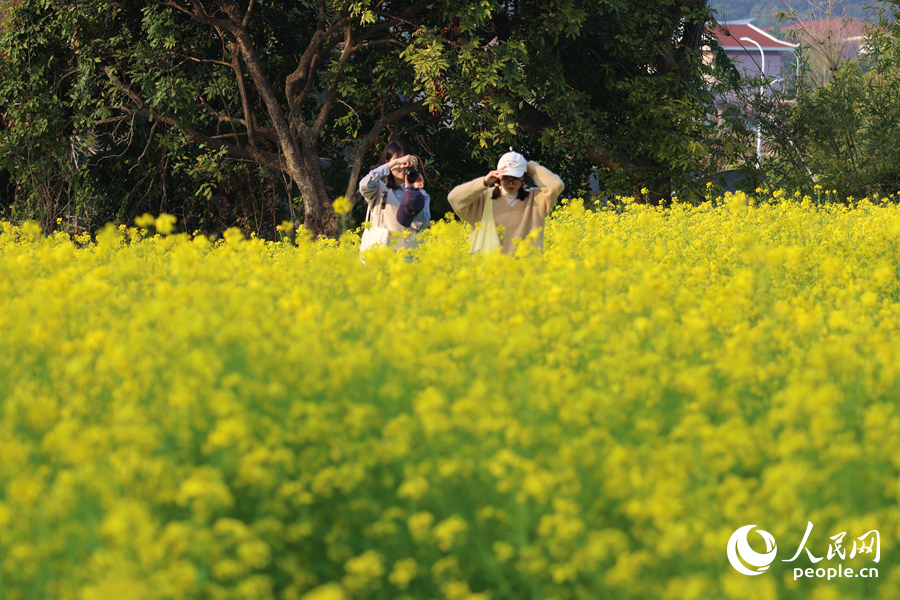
(509, 205)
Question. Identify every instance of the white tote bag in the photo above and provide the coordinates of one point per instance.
(484, 237)
(376, 235)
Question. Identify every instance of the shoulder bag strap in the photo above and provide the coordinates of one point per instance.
(381, 212)
(488, 213)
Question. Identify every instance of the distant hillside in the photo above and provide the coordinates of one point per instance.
(762, 11)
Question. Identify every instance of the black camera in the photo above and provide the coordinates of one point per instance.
(412, 174)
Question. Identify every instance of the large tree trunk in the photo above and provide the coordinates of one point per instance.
(288, 143)
(659, 191)
(318, 216)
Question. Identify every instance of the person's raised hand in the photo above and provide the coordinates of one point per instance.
(404, 161)
(493, 177)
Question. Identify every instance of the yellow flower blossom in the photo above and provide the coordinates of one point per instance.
(341, 205)
(363, 571)
(447, 531)
(329, 591)
(190, 417)
(420, 525)
(403, 572)
(165, 224)
(145, 220)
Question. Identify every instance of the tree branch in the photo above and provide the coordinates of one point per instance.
(388, 41)
(146, 147)
(124, 88)
(403, 17)
(198, 15)
(332, 92)
(296, 113)
(244, 44)
(306, 67)
(246, 20)
(142, 110)
(203, 60)
(249, 113)
(537, 121)
(366, 143)
(234, 150)
(319, 47)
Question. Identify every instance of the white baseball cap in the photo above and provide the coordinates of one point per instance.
(514, 163)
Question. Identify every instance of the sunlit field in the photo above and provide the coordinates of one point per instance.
(185, 418)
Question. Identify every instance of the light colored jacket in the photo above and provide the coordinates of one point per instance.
(373, 188)
(516, 221)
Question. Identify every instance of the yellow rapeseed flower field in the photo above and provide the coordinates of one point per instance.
(184, 418)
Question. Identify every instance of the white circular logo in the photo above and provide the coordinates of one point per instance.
(740, 552)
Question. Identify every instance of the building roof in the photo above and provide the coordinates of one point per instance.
(729, 35)
(845, 29)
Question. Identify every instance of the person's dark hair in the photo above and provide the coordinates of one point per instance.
(521, 194)
(393, 150)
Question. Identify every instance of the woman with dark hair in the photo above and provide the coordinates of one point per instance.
(399, 206)
(500, 198)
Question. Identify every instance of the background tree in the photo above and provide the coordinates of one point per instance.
(617, 88)
(827, 37)
(843, 136)
(185, 105)
(281, 86)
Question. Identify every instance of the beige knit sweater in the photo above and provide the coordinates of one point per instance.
(513, 222)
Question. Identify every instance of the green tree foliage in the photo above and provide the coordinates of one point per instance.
(200, 90)
(120, 107)
(617, 86)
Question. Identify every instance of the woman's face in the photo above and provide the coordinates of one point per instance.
(510, 184)
(398, 171)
